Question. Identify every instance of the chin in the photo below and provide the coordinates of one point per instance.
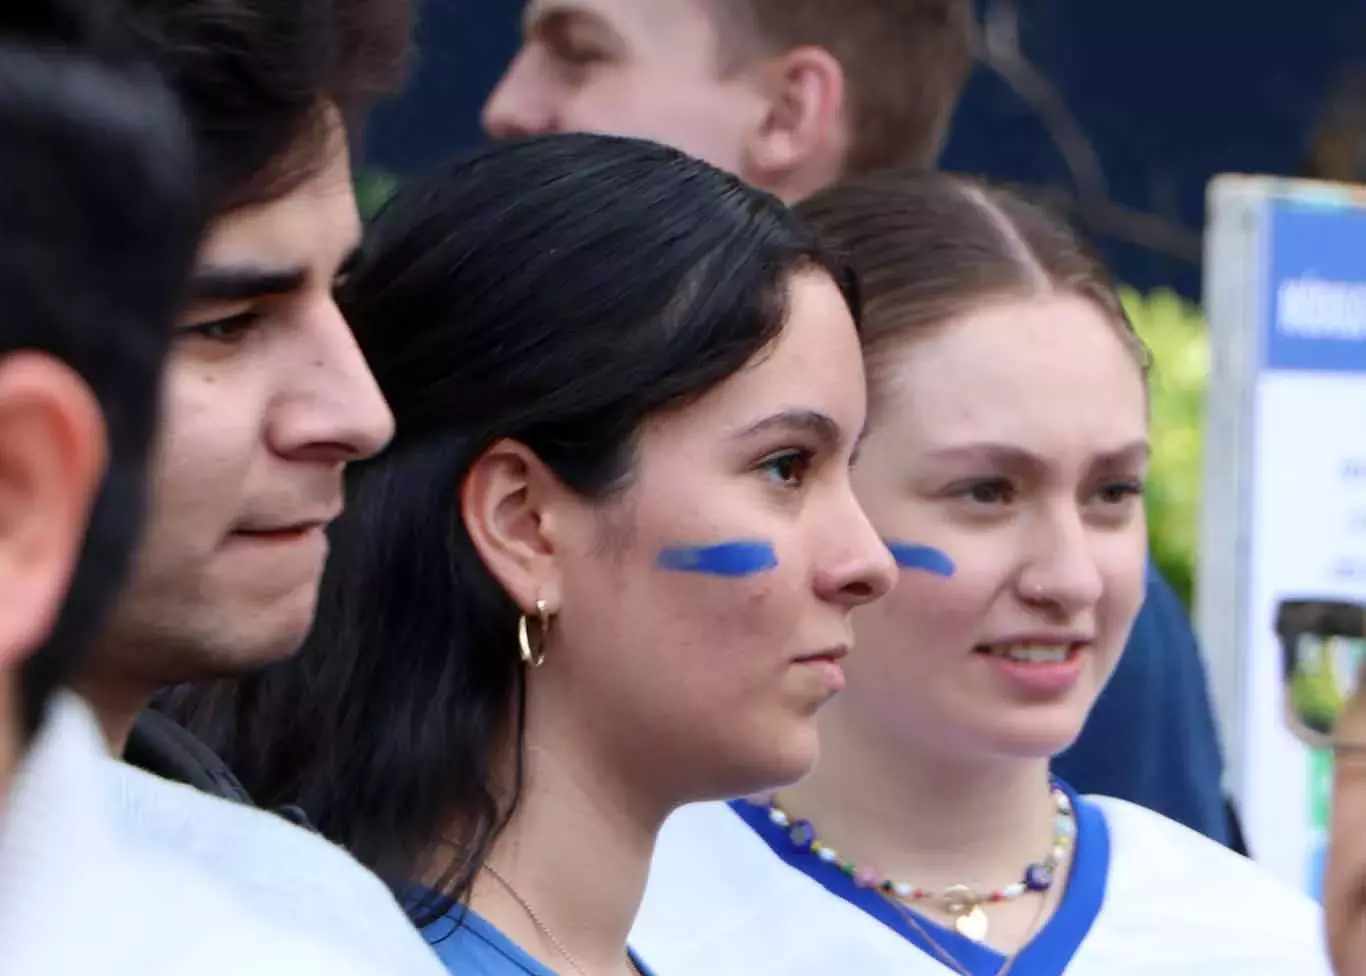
(265, 639)
(794, 756)
(778, 761)
(1037, 734)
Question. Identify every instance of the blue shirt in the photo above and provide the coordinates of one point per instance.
(1151, 738)
(468, 945)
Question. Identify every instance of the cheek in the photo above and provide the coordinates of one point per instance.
(722, 630)
(693, 121)
(207, 442)
(1124, 568)
(926, 622)
(704, 641)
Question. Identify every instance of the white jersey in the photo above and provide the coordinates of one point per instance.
(730, 895)
(79, 895)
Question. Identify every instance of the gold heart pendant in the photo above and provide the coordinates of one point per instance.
(973, 925)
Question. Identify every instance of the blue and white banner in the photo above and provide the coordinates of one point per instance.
(1298, 544)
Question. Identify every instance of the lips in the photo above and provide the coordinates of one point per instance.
(1039, 648)
(1033, 652)
(283, 526)
(281, 531)
(832, 655)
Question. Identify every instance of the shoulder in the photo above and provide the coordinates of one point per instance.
(172, 816)
(1202, 898)
(269, 867)
(721, 900)
(701, 850)
(157, 917)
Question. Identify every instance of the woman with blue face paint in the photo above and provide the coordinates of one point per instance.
(605, 568)
(1004, 464)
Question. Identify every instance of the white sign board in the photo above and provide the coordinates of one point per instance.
(1283, 520)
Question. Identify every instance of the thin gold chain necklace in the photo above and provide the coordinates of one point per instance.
(544, 929)
(947, 957)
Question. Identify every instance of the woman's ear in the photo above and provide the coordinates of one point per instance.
(507, 502)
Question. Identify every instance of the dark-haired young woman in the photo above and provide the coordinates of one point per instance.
(607, 565)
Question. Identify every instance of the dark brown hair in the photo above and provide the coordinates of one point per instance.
(930, 246)
(257, 80)
(905, 64)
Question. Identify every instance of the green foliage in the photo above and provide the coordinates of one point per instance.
(1174, 330)
(374, 187)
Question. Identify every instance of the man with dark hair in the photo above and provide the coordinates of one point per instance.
(98, 223)
(792, 95)
(789, 94)
(266, 398)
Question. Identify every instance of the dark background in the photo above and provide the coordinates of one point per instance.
(1161, 94)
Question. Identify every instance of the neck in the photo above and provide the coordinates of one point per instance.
(929, 820)
(576, 853)
(117, 703)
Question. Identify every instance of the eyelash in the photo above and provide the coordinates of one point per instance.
(998, 485)
(1118, 491)
(1123, 490)
(579, 56)
(800, 456)
(228, 330)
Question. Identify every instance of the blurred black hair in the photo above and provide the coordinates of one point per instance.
(98, 225)
(557, 291)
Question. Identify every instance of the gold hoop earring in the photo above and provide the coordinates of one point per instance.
(534, 656)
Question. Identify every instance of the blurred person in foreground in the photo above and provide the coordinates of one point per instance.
(97, 226)
(793, 95)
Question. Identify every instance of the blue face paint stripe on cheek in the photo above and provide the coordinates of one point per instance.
(741, 558)
(909, 555)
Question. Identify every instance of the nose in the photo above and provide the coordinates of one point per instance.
(517, 107)
(860, 568)
(1062, 573)
(329, 408)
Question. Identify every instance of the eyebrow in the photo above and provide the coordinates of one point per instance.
(812, 421)
(1135, 452)
(242, 282)
(233, 283)
(554, 21)
(1015, 458)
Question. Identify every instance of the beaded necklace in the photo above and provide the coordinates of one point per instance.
(960, 902)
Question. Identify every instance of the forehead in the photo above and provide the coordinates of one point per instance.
(1021, 370)
(641, 22)
(815, 366)
(314, 226)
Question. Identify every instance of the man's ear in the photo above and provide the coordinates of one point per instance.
(805, 118)
(507, 501)
(52, 457)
